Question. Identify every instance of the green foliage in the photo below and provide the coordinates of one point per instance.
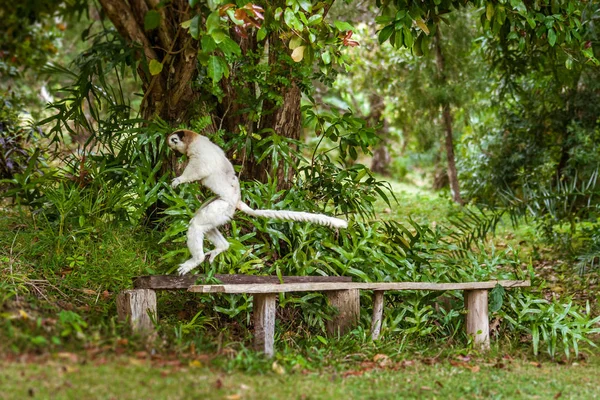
(558, 325)
(539, 26)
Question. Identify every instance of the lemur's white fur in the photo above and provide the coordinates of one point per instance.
(209, 165)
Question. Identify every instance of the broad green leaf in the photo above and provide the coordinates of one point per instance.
(295, 42)
(315, 19)
(261, 34)
(213, 22)
(151, 20)
(551, 37)
(208, 44)
(496, 298)
(217, 68)
(186, 24)
(343, 26)
(193, 3)
(408, 38)
(306, 5)
(229, 47)
(398, 39)
(155, 67)
(326, 57)
(422, 25)
(385, 33)
(569, 63)
(218, 35)
(194, 28)
(291, 20)
(203, 57)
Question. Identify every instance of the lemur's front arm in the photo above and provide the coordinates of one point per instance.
(191, 173)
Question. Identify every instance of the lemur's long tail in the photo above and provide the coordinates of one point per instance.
(294, 216)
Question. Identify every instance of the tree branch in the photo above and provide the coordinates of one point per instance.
(123, 19)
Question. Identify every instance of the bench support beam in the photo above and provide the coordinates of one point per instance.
(347, 303)
(478, 325)
(377, 314)
(136, 307)
(264, 322)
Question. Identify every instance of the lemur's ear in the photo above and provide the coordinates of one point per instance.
(181, 134)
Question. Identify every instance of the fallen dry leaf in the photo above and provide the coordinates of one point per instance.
(352, 373)
(278, 369)
(536, 364)
(63, 355)
(474, 368)
(233, 397)
(136, 361)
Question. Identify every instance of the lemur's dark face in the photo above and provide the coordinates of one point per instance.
(176, 141)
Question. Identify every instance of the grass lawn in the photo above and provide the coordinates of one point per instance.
(131, 378)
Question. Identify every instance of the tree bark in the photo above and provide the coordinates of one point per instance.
(381, 155)
(170, 95)
(447, 122)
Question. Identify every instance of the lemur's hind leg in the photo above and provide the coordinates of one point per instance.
(213, 214)
(221, 244)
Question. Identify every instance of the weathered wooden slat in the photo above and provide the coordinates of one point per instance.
(174, 282)
(347, 303)
(377, 314)
(476, 303)
(134, 306)
(264, 308)
(327, 286)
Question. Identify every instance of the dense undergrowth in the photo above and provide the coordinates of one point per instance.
(60, 278)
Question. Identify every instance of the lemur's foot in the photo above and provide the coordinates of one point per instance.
(176, 182)
(213, 254)
(188, 266)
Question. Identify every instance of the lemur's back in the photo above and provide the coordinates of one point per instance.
(220, 176)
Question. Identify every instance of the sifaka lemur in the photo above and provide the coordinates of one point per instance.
(209, 165)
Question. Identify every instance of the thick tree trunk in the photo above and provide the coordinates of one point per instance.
(167, 95)
(170, 95)
(447, 123)
(285, 119)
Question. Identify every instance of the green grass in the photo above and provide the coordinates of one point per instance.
(131, 378)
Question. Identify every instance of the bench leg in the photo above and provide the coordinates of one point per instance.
(478, 325)
(264, 322)
(136, 306)
(348, 304)
(377, 314)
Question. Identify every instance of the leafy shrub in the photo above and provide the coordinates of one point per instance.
(557, 325)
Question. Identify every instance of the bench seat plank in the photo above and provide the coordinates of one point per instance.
(175, 282)
(327, 286)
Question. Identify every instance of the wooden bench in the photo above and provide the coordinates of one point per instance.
(341, 292)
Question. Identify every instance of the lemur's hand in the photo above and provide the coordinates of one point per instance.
(175, 183)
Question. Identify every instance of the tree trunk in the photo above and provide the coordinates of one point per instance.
(284, 119)
(381, 155)
(170, 95)
(447, 122)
